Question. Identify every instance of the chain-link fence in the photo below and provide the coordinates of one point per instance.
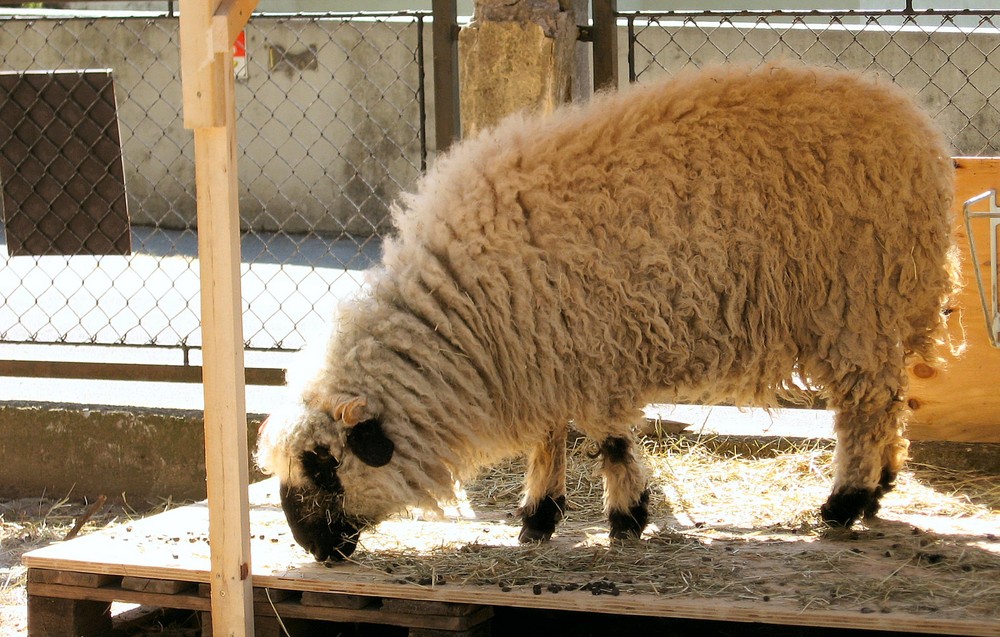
(949, 60)
(331, 128)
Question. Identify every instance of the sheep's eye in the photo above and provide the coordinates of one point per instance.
(321, 467)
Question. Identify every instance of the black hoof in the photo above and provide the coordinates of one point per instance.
(539, 526)
(628, 525)
(846, 506)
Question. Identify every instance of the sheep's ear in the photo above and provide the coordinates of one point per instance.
(349, 410)
(370, 444)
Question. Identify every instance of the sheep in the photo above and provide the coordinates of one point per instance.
(727, 235)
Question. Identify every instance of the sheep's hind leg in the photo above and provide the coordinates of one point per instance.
(544, 497)
(626, 496)
(870, 452)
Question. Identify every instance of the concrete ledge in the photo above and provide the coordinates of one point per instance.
(57, 449)
(85, 451)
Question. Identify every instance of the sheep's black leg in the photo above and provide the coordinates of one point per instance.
(626, 497)
(870, 452)
(848, 504)
(544, 497)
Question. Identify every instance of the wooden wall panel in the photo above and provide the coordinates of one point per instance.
(961, 400)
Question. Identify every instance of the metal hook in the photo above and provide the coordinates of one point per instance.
(991, 310)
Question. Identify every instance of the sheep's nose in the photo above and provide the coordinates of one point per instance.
(315, 526)
(333, 549)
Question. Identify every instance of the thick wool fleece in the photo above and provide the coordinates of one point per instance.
(704, 238)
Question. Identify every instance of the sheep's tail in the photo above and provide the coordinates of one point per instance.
(952, 328)
(945, 331)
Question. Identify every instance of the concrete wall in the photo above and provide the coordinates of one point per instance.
(151, 454)
(947, 71)
(140, 454)
(329, 132)
(329, 115)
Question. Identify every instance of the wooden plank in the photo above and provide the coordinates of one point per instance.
(417, 607)
(959, 401)
(89, 580)
(278, 564)
(150, 585)
(185, 601)
(230, 18)
(707, 609)
(210, 109)
(377, 616)
(272, 595)
(129, 371)
(328, 600)
(226, 453)
(265, 595)
(668, 607)
(268, 627)
(56, 617)
(202, 69)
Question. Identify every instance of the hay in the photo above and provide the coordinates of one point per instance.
(729, 525)
(734, 520)
(30, 523)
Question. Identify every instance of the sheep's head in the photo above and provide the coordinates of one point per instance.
(314, 450)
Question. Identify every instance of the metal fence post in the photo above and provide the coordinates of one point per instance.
(605, 44)
(447, 122)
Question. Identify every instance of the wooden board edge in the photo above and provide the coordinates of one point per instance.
(664, 607)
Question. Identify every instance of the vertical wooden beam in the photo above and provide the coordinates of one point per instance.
(210, 109)
(447, 122)
(202, 76)
(605, 44)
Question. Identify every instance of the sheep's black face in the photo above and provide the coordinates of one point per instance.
(315, 510)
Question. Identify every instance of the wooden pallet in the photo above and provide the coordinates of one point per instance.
(73, 603)
(163, 561)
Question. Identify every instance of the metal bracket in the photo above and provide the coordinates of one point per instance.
(991, 310)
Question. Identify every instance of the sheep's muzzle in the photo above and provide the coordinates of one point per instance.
(317, 522)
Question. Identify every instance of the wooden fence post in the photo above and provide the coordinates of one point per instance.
(207, 32)
(605, 34)
(447, 124)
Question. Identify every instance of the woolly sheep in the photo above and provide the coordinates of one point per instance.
(725, 235)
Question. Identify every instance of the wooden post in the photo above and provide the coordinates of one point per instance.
(207, 31)
(515, 56)
(605, 44)
(447, 125)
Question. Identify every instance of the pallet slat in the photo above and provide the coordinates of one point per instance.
(68, 578)
(328, 600)
(162, 586)
(183, 601)
(381, 616)
(56, 616)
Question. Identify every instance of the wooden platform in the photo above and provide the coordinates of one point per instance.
(399, 577)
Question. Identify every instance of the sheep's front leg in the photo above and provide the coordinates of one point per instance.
(544, 497)
(626, 495)
(870, 453)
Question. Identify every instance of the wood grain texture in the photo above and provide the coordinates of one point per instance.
(171, 546)
(960, 401)
(210, 109)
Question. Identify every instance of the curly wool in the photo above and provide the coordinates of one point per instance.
(711, 237)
